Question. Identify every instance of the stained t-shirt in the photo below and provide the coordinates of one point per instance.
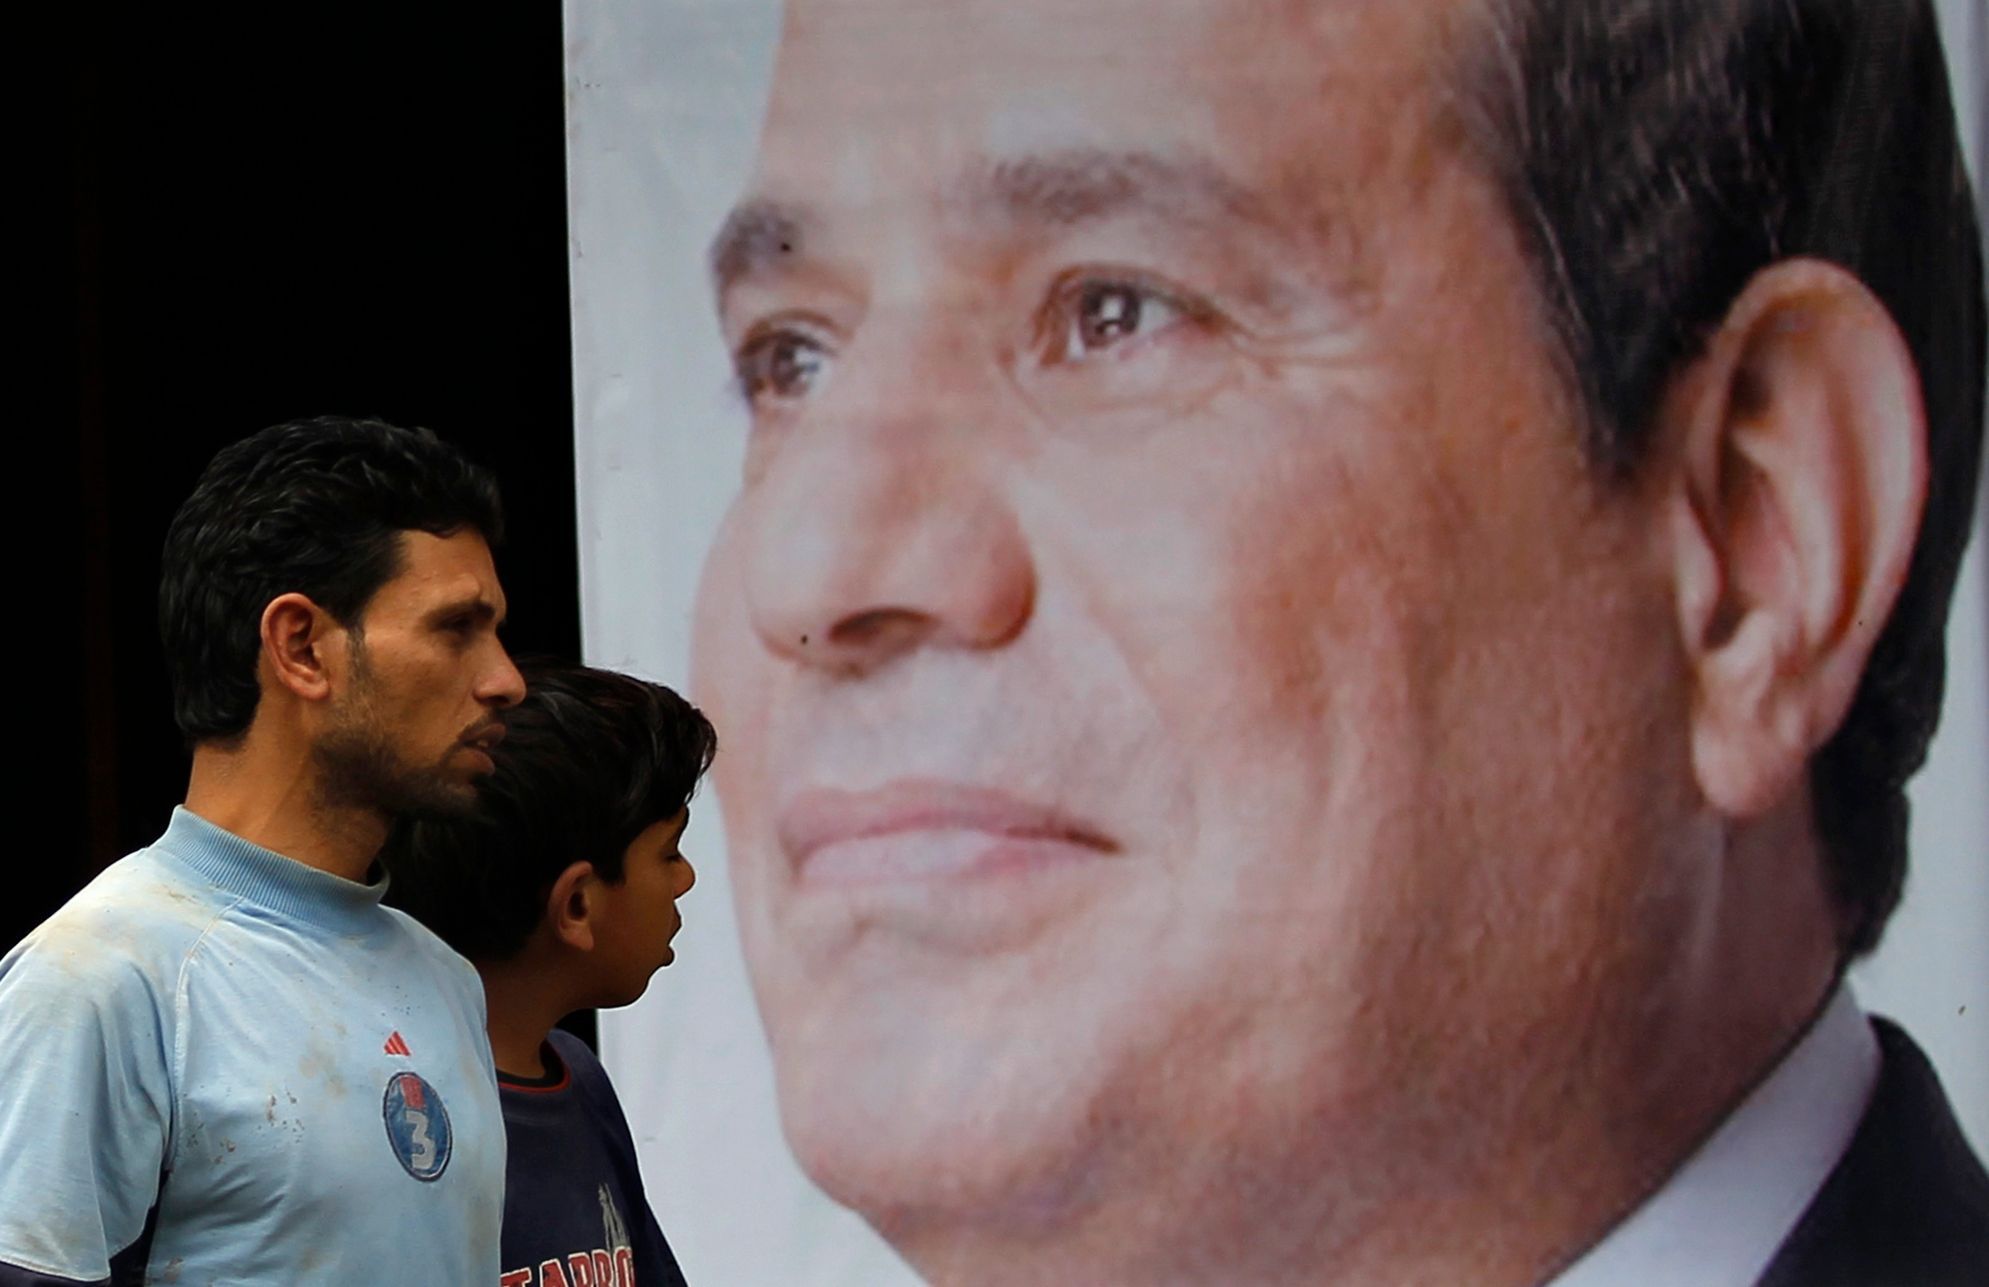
(220, 1065)
(574, 1211)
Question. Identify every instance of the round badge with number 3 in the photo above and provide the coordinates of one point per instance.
(417, 1126)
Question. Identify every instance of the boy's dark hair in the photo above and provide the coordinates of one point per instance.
(590, 759)
(313, 507)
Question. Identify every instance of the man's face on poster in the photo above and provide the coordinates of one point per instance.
(1193, 709)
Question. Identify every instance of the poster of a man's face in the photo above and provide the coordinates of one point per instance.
(1279, 657)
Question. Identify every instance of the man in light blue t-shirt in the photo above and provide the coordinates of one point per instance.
(224, 1060)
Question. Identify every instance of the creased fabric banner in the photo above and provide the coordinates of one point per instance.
(1141, 489)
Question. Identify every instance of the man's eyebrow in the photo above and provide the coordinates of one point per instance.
(755, 235)
(1078, 185)
(1061, 189)
(474, 605)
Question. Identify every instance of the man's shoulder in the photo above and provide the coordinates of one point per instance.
(1909, 1200)
(418, 940)
(135, 924)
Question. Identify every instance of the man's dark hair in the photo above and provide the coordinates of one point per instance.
(313, 507)
(590, 759)
(1656, 154)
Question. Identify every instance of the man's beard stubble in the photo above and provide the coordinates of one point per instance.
(359, 768)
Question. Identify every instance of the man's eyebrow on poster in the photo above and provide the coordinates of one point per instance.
(1133, 242)
(1065, 188)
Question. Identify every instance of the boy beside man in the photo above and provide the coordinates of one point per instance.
(562, 891)
(180, 1043)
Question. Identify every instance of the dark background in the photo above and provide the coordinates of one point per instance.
(311, 210)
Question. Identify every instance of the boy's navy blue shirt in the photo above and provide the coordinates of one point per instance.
(574, 1210)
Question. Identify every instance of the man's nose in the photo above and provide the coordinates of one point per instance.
(882, 526)
(502, 686)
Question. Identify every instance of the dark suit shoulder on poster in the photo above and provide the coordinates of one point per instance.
(1909, 1201)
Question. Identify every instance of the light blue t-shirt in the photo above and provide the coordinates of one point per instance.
(296, 1077)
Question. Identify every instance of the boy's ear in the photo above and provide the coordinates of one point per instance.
(571, 904)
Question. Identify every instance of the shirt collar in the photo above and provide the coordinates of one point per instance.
(267, 878)
(1722, 1215)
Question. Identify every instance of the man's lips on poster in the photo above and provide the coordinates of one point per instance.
(929, 829)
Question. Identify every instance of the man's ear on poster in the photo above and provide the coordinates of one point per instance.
(1796, 472)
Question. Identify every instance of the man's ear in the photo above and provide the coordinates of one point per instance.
(295, 634)
(1800, 482)
(571, 904)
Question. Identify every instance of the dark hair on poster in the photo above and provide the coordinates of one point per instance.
(1657, 154)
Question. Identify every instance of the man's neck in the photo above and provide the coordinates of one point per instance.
(269, 796)
(1722, 1216)
(1501, 1178)
(1513, 1216)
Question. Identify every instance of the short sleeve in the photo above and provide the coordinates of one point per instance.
(85, 1101)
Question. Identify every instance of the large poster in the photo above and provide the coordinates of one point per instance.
(1256, 573)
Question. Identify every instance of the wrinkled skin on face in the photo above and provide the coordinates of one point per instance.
(1191, 711)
